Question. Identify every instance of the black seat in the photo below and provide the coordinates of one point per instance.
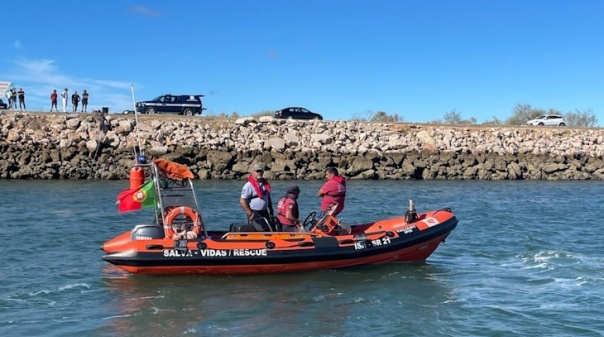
(241, 227)
(261, 225)
(257, 225)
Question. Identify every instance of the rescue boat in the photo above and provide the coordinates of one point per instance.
(177, 241)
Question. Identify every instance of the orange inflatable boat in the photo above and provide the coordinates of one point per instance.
(179, 242)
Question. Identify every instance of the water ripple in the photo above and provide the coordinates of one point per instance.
(525, 260)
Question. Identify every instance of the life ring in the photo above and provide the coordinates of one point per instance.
(182, 210)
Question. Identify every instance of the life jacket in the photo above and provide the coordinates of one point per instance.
(282, 208)
(266, 187)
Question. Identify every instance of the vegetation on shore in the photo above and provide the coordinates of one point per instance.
(520, 114)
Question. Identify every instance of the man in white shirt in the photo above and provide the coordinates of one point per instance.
(256, 199)
(64, 96)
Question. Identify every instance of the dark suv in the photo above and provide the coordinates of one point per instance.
(3, 105)
(187, 105)
(297, 113)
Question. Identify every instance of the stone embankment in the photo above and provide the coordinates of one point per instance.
(59, 146)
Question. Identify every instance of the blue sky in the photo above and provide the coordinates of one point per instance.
(344, 59)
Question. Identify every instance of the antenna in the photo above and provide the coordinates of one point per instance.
(141, 155)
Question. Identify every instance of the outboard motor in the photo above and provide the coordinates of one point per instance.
(411, 215)
(147, 232)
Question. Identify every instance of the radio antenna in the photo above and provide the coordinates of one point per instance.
(138, 139)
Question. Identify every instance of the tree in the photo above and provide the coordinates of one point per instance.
(454, 117)
(379, 116)
(494, 121)
(362, 116)
(581, 118)
(523, 113)
(383, 117)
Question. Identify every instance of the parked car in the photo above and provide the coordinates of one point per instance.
(551, 120)
(297, 113)
(3, 105)
(187, 105)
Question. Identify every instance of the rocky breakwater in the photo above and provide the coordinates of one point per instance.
(47, 146)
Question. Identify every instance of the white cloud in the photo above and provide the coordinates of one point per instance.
(38, 77)
(144, 11)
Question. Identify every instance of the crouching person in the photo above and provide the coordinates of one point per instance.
(183, 233)
(287, 210)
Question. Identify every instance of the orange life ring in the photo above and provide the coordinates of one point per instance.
(182, 210)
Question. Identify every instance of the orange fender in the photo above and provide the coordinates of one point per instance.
(173, 170)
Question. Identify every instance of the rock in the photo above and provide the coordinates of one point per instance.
(91, 145)
(275, 144)
(73, 123)
(55, 146)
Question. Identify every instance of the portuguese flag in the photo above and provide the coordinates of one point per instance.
(135, 199)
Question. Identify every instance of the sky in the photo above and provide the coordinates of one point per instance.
(418, 59)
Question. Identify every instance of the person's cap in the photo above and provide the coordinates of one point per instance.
(258, 167)
(293, 189)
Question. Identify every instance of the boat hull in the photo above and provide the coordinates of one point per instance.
(386, 241)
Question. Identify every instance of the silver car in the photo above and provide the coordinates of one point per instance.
(550, 120)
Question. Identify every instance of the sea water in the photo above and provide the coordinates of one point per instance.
(526, 259)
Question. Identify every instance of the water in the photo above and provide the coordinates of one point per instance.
(526, 259)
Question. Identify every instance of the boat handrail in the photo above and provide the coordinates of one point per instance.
(266, 236)
(169, 189)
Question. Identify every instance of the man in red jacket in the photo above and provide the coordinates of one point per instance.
(53, 100)
(334, 190)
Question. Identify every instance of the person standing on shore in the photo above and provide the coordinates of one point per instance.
(53, 100)
(13, 98)
(21, 95)
(75, 100)
(64, 97)
(84, 101)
